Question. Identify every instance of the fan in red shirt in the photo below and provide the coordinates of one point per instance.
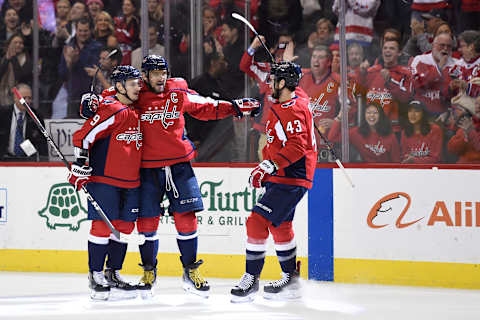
(286, 173)
(108, 155)
(421, 140)
(373, 139)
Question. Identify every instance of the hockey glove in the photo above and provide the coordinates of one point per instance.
(89, 105)
(79, 175)
(266, 167)
(246, 106)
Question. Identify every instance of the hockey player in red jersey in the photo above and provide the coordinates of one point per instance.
(166, 167)
(286, 173)
(108, 154)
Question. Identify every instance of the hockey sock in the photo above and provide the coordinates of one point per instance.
(96, 255)
(255, 261)
(287, 259)
(188, 248)
(116, 254)
(149, 249)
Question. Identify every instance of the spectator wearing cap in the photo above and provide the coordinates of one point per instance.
(423, 33)
(421, 141)
(94, 8)
(466, 142)
(431, 75)
(436, 8)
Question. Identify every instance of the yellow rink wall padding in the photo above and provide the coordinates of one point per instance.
(412, 273)
(218, 266)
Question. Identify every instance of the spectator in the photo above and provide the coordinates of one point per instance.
(387, 84)
(9, 27)
(94, 8)
(467, 71)
(422, 35)
(22, 7)
(373, 139)
(155, 47)
(355, 55)
(358, 20)
(323, 34)
(431, 75)
(103, 27)
(225, 8)
(232, 51)
(112, 41)
(213, 136)
(65, 33)
(466, 141)
(392, 34)
(82, 51)
(321, 86)
(62, 11)
(15, 66)
(155, 11)
(127, 29)
(421, 140)
(279, 16)
(106, 66)
(16, 127)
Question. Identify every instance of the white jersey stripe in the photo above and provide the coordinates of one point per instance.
(92, 134)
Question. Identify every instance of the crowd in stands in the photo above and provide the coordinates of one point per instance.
(413, 78)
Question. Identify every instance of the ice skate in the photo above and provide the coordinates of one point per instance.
(286, 288)
(99, 288)
(146, 284)
(246, 290)
(193, 282)
(124, 289)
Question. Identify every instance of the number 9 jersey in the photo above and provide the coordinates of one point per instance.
(291, 141)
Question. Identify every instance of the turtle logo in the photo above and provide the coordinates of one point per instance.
(63, 208)
(392, 205)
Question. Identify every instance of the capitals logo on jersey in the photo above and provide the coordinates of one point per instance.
(384, 97)
(131, 134)
(165, 114)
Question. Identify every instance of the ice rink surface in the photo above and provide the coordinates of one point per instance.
(66, 296)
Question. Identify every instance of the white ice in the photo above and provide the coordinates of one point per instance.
(65, 296)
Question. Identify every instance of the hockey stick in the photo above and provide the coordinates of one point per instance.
(241, 18)
(334, 154)
(65, 161)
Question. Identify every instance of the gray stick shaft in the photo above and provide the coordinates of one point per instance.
(67, 164)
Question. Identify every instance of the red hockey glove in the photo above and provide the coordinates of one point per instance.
(89, 105)
(258, 174)
(79, 175)
(246, 106)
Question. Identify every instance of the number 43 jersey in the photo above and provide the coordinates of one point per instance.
(114, 141)
(291, 141)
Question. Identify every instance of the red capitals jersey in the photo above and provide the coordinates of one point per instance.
(424, 149)
(163, 124)
(373, 148)
(430, 83)
(323, 94)
(291, 141)
(114, 141)
(260, 72)
(387, 94)
(470, 73)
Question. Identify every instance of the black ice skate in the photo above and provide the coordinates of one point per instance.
(125, 289)
(193, 281)
(246, 290)
(146, 284)
(99, 288)
(286, 288)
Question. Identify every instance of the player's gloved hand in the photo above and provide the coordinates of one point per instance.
(266, 167)
(246, 107)
(79, 175)
(89, 105)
